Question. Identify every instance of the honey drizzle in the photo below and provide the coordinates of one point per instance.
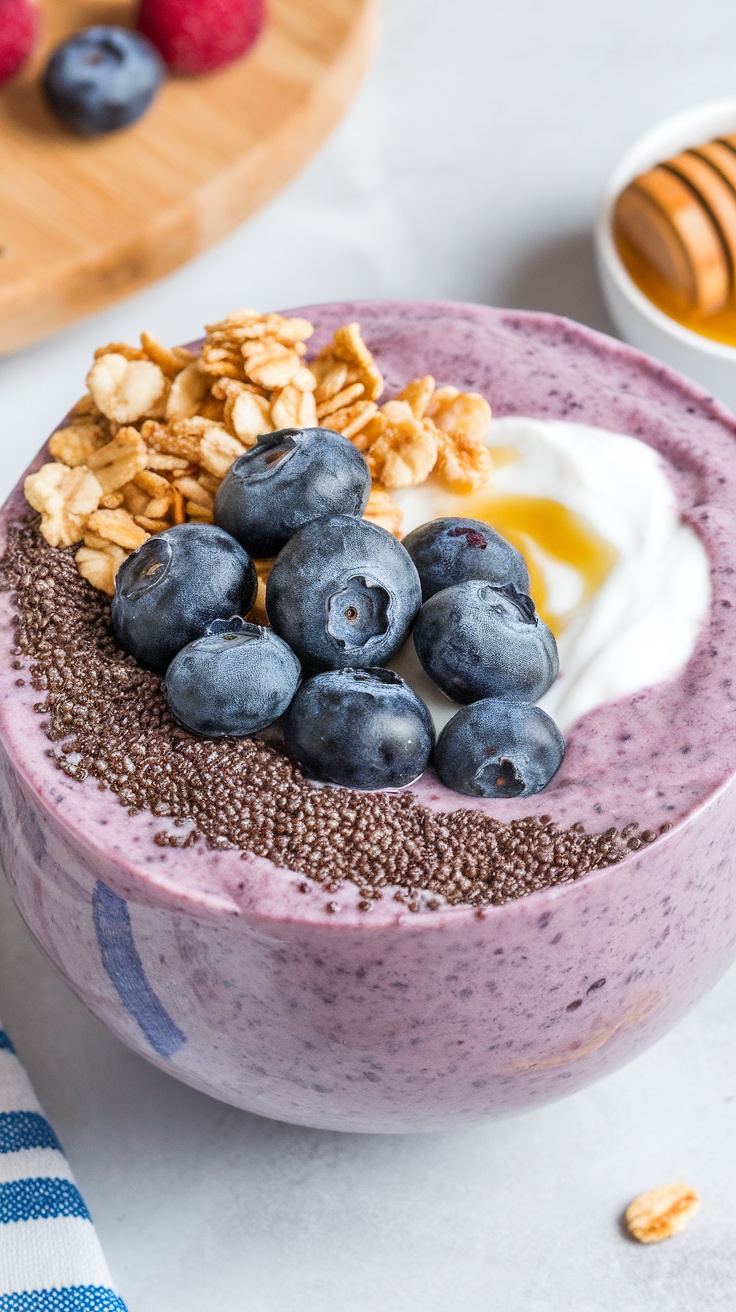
(539, 526)
(720, 327)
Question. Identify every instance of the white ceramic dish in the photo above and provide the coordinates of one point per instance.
(709, 363)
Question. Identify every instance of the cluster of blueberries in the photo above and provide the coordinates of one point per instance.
(342, 597)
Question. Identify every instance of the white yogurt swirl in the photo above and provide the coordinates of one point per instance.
(641, 625)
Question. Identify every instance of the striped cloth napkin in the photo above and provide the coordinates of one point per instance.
(50, 1256)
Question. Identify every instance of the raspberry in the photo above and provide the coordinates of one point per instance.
(197, 36)
(19, 21)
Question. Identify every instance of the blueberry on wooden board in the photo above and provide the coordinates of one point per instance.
(102, 79)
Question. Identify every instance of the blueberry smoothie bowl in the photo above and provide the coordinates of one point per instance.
(366, 761)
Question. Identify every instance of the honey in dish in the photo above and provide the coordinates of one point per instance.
(540, 527)
(675, 230)
(720, 327)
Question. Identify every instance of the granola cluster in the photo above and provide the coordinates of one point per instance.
(149, 444)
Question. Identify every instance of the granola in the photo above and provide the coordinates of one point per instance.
(661, 1213)
(149, 444)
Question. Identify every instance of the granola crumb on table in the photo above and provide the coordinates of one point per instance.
(661, 1213)
(149, 444)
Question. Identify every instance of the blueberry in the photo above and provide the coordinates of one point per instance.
(448, 551)
(168, 591)
(101, 79)
(360, 729)
(476, 640)
(236, 679)
(287, 479)
(498, 748)
(343, 592)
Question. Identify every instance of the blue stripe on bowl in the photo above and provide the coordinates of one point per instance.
(77, 1298)
(5, 1042)
(20, 1130)
(39, 1199)
(121, 961)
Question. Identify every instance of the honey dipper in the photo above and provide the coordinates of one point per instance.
(680, 218)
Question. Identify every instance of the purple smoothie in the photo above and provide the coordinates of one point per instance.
(223, 972)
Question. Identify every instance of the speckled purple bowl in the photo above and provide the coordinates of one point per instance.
(221, 972)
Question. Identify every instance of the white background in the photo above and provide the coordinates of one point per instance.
(468, 168)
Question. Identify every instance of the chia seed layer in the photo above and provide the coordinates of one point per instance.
(108, 719)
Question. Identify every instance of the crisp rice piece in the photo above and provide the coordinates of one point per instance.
(307, 416)
(74, 443)
(152, 525)
(467, 413)
(222, 388)
(341, 399)
(170, 362)
(463, 420)
(222, 362)
(440, 397)
(181, 438)
(121, 348)
(463, 465)
(116, 463)
(193, 491)
(285, 408)
(345, 361)
(292, 408)
(188, 392)
(293, 331)
(353, 418)
(218, 450)
(65, 498)
(304, 379)
(159, 507)
(178, 509)
(348, 345)
(330, 381)
(154, 484)
(198, 513)
(382, 510)
(208, 481)
(212, 409)
(405, 453)
(126, 390)
(135, 500)
(231, 321)
(270, 364)
(100, 565)
(247, 325)
(119, 527)
(247, 414)
(162, 461)
(660, 1213)
(418, 395)
(111, 500)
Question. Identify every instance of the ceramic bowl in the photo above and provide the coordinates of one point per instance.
(640, 322)
(222, 971)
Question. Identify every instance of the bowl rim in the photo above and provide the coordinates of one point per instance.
(642, 154)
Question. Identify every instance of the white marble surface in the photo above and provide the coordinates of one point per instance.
(468, 168)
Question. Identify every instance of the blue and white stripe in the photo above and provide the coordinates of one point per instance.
(50, 1257)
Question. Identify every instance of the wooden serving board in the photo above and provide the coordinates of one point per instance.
(83, 223)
